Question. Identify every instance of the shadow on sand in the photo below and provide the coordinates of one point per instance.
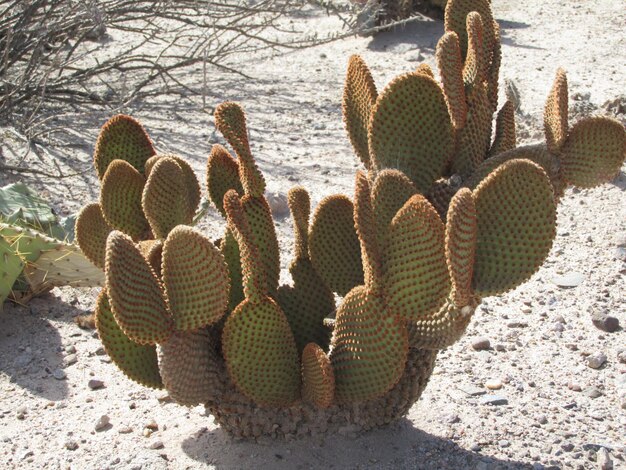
(399, 445)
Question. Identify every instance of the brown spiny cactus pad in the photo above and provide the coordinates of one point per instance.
(440, 194)
(195, 277)
(122, 137)
(300, 206)
(318, 379)
(505, 138)
(593, 152)
(410, 129)
(416, 277)
(475, 67)
(91, 233)
(135, 293)
(191, 367)
(450, 65)
(369, 347)
(165, 199)
(334, 245)
(390, 191)
(365, 223)
(461, 232)
(120, 199)
(231, 122)
(192, 186)
(359, 96)
(425, 69)
(442, 329)
(555, 115)
(138, 362)
(456, 16)
(516, 226)
(222, 175)
(230, 251)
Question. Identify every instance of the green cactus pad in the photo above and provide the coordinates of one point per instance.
(461, 233)
(455, 20)
(300, 206)
(440, 194)
(91, 233)
(421, 143)
(261, 354)
(120, 199)
(493, 73)
(190, 367)
(230, 120)
(442, 329)
(195, 277)
(27, 243)
(367, 232)
(391, 189)
(516, 214)
(152, 251)
(475, 67)
(475, 137)
(334, 245)
(425, 69)
(450, 65)
(165, 200)
(593, 152)
(555, 115)
(222, 175)
(10, 269)
(359, 96)
(505, 138)
(135, 293)
(369, 348)
(122, 137)
(318, 379)
(192, 186)
(417, 280)
(230, 251)
(138, 362)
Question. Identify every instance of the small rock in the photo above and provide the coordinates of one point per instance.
(500, 347)
(164, 397)
(621, 356)
(493, 400)
(542, 419)
(605, 322)
(71, 349)
(559, 319)
(95, 384)
(573, 386)
(558, 327)
(59, 374)
(71, 445)
(596, 360)
(493, 384)
(472, 391)
(102, 423)
(592, 392)
(156, 445)
(504, 443)
(71, 359)
(21, 412)
(481, 343)
(567, 447)
(152, 425)
(125, 430)
(475, 447)
(603, 459)
(572, 279)
(278, 204)
(100, 351)
(517, 324)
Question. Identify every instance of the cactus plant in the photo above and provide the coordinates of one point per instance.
(443, 218)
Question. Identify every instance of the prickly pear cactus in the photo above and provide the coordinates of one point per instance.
(443, 217)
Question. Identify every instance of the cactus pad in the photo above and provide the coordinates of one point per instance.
(318, 379)
(417, 279)
(190, 367)
(10, 269)
(442, 329)
(135, 293)
(122, 137)
(138, 362)
(455, 20)
(516, 215)
(369, 347)
(92, 232)
(359, 96)
(461, 245)
(593, 152)
(450, 65)
(195, 277)
(505, 138)
(555, 115)
(390, 191)
(421, 143)
(120, 199)
(334, 245)
(222, 175)
(365, 224)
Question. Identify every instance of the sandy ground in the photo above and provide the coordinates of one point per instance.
(541, 335)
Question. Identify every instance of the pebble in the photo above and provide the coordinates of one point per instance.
(504, 443)
(278, 204)
(592, 392)
(493, 384)
(596, 360)
(95, 384)
(71, 445)
(517, 324)
(572, 279)
(542, 419)
(475, 447)
(493, 400)
(156, 445)
(71, 349)
(71, 359)
(102, 422)
(481, 343)
(100, 351)
(472, 391)
(59, 374)
(621, 356)
(603, 459)
(573, 386)
(605, 322)
(125, 430)
(152, 425)
(21, 412)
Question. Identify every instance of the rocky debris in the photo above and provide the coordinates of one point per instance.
(605, 322)
(71, 444)
(71, 359)
(102, 423)
(95, 384)
(569, 280)
(603, 459)
(59, 374)
(596, 360)
(493, 384)
(592, 392)
(481, 344)
(472, 391)
(156, 445)
(494, 400)
(278, 204)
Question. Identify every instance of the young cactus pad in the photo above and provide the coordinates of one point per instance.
(381, 281)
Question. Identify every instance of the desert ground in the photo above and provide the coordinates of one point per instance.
(561, 380)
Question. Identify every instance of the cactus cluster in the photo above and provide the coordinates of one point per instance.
(442, 216)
